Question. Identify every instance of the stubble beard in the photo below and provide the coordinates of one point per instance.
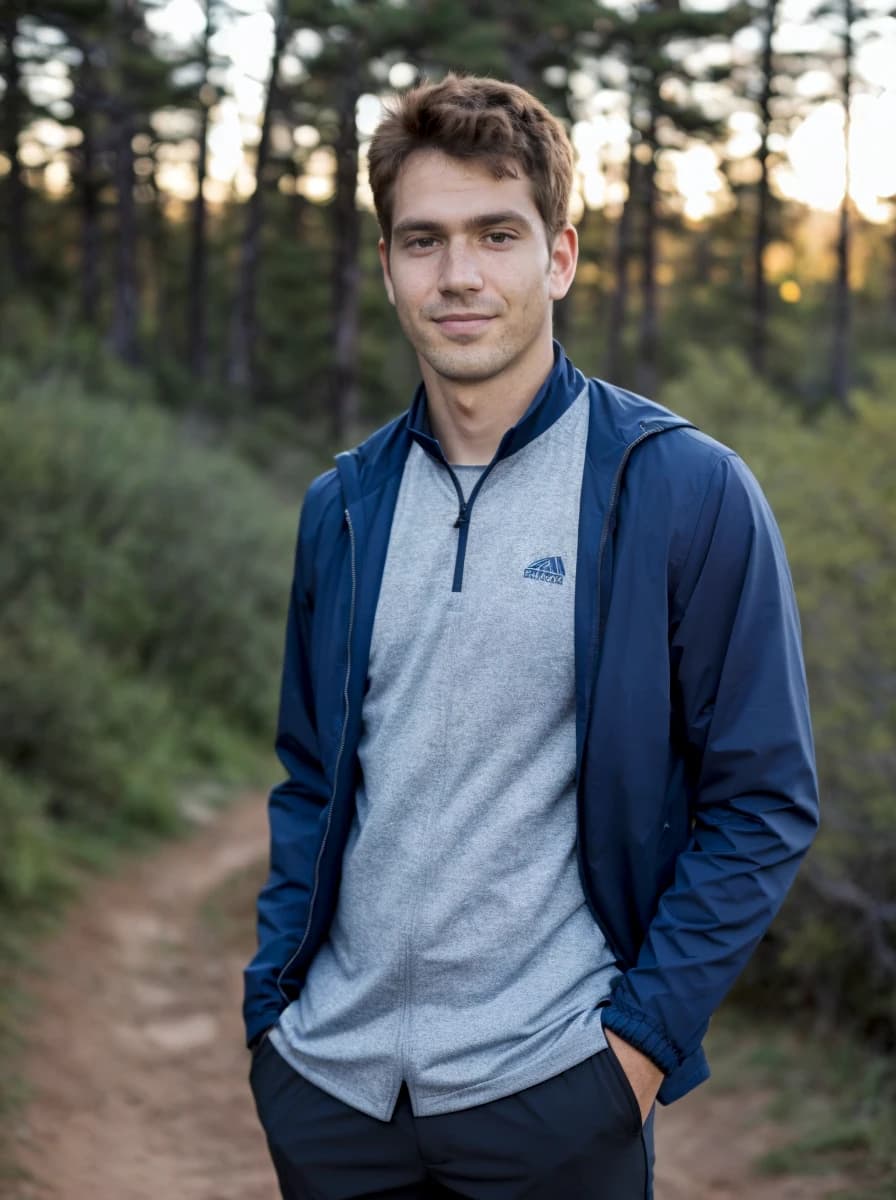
(466, 364)
(472, 362)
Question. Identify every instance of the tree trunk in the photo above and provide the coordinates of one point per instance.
(12, 125)
(647, 366)
(166, 333)
(704, 255)
(518, 43)
(840, 359)
(299, 214)
(240, 365)
(346, 278)
(840, 370)
(90, 218)
(126, 320)
(198, 275)
(763, 198)
(87, 103)
(621, 259)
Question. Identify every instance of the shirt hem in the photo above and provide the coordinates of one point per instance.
(535, 1073)
(289, 1055)
(544, 1068)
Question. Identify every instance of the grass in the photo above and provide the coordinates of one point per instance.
(833, 1097)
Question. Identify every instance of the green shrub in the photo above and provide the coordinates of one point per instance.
(143, 591)
(102, 748)
(172, 559)
(27, 860)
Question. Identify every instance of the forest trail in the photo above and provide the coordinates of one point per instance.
(138, 1073)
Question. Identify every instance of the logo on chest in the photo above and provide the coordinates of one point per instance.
(546, 570)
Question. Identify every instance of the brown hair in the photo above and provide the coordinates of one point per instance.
(472, 117)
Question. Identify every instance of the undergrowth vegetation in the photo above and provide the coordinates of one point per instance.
(143, 590)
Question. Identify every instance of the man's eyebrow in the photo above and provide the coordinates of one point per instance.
(508, 216)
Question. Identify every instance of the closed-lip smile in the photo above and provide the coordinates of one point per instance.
(462, 325)
(462, 317)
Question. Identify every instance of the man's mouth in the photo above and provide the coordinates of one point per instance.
(462, 322)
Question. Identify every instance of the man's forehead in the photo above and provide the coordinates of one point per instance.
(431, 180)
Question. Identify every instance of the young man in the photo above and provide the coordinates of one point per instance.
(544, 719)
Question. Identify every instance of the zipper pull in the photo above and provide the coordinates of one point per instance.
(461, 517)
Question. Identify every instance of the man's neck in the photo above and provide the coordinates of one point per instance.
(469, 420)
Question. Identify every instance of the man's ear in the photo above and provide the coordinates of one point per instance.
(384, 263)
(564, 257)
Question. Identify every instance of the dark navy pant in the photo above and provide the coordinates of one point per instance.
(576, 1136)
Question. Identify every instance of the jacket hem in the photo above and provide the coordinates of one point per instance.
(261, 1021)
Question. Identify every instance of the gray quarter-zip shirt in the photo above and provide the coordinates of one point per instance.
(462, 958)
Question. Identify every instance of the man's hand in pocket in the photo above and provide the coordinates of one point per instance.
(644, 1075)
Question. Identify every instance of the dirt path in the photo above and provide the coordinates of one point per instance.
(138, 1072)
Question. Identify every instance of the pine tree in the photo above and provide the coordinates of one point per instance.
(197, 287)
(759, 342)
(243, 327)
(850, 24)
(15, 106)
(652, 44)
(841, 345)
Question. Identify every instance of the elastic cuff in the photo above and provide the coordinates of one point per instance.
(633, 1028)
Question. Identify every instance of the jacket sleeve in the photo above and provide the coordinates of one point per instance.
(740, 690)
(294, 807)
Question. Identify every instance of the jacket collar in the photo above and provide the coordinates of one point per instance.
(618, 420)
(562, 385)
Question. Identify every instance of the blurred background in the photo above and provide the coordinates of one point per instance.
(192, 322)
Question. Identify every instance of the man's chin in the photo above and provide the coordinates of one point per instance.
(467, 364)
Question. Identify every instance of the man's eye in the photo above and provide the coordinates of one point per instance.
(421, 243)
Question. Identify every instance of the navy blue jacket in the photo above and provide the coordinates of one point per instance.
(696, 782)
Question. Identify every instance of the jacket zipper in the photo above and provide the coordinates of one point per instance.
(342, 738)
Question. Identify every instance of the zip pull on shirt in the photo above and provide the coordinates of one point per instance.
(550, 402)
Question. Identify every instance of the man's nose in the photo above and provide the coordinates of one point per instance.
(460, 268)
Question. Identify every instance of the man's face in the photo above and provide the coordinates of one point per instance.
(470, 269)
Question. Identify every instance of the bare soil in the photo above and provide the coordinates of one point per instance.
(137, 1071)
